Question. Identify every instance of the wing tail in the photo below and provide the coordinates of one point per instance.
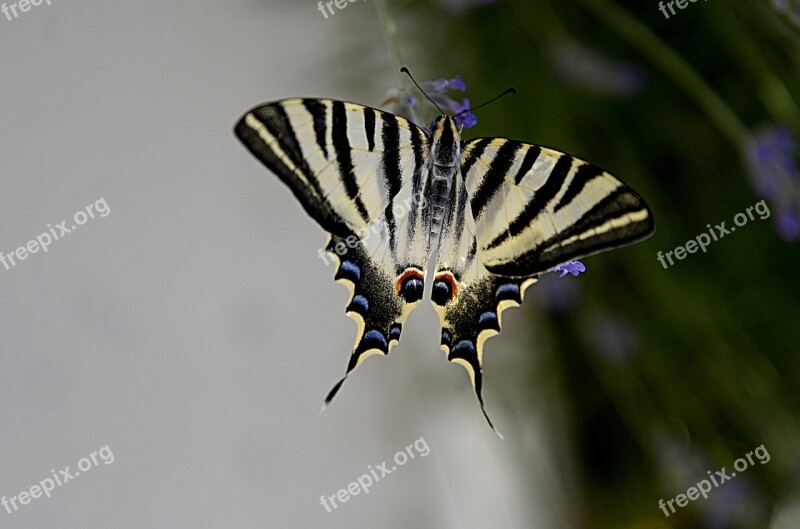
(473, 315)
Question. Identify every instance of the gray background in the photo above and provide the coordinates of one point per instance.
(194, 330)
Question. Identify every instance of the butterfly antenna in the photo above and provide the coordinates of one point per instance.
(492, 100)
(405, 71)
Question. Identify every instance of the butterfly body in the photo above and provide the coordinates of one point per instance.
(443, 169)
(495, 214)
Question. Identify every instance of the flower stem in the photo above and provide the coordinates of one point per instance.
(391, 38)
(394, 49)
(673, 65)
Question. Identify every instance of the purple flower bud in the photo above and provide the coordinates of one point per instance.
(787, 225)
(457, 83)
(570, 267)
(402, 101)
(771, 159)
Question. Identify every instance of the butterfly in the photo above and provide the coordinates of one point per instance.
(495, 213)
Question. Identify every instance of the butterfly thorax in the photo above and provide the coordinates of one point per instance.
(444, 168)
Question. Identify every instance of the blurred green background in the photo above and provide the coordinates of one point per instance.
(655, 375)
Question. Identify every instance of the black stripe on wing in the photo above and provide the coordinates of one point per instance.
(390, 134)
(341, 143)
(344, 162)
(494, 178)
(541, 199)
(319, 115)
(557, 250)
(282, 155)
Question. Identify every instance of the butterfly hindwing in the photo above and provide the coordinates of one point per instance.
(386, 280)
(468, 298)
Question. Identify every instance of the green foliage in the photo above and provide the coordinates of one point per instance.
(715, 366)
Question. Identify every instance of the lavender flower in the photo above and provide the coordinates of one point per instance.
(462, 6)
(570, 267)
(788, 225)
(442, 85)
(403, 102)
(789, 8)
(734, 504)
(594, 72)
(771, 158)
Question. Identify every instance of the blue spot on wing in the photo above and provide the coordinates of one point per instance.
(374, 340)
(507, 291)
(464, 349)
(360, 303)
(488, 320)
(350, 270)
(446, 338)
(394, 332)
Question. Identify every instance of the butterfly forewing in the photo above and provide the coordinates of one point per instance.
(344, 162)
(535, 207)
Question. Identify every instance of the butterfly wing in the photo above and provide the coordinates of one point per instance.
(467, 297)
(355, 170)
(535, 207)
(518, 211)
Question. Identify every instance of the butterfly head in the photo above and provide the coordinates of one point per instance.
(445, 142)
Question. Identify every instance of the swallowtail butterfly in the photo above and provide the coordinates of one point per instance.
(495, 213)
